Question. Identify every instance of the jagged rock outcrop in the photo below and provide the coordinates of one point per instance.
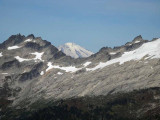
(32, 69)
(108, 53)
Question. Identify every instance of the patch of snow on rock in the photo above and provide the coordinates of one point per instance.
(21, 59)
(130, 44)
(67, 69)
(151, 49)
(4, 73)
(137, 41)
(13, 47)
(42, 73)
(112, 53)
(11, 98)
(59, 73)
(28, 40)
(38, 56)
(86, 64)
(1, 54)
(50, 66)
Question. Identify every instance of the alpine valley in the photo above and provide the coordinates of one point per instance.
(40, 82)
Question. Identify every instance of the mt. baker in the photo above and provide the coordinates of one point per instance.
(33, 71)
(75, 51)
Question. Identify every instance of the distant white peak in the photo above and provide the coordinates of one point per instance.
(70, 44)
(74, 50)
(14, 47)
(1, 54)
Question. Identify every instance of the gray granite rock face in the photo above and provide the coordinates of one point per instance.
(25, 79)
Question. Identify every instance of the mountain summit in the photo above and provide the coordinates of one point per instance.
(74, 50)
(35, 75)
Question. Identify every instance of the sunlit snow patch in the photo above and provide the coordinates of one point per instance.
(38, 56)
(130, 44)
(67, 69)
(50, 66)
(59, 73)
(1, 54)
(11, 98)
(137, 41)
(42, 73)
(22, 59)
(112, 53)
(86, 64)
(151, 49)
(28, 40)
(13, 47)
(4, 73)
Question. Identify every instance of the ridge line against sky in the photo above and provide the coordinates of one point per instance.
(91, 24)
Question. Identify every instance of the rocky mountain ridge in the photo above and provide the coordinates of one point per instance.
(31, 70)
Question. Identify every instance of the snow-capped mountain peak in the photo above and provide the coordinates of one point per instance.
(74, 50)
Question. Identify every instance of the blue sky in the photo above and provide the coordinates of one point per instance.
(92, 24)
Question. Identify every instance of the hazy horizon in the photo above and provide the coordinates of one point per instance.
(91, 24)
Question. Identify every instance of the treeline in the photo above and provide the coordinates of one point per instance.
(136, 105)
